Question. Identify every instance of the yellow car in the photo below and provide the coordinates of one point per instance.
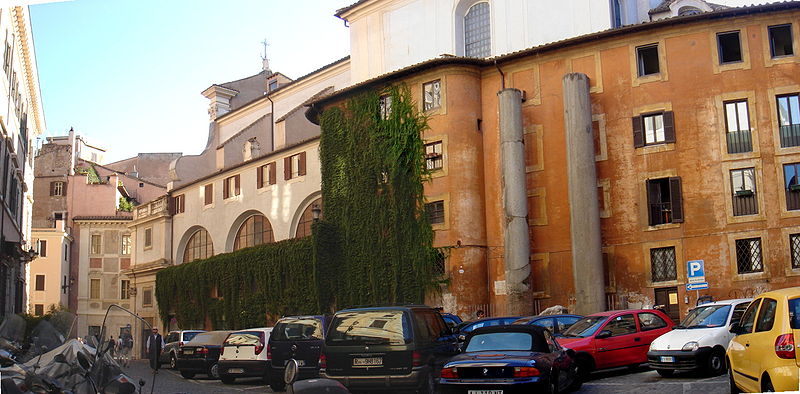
(761, 357)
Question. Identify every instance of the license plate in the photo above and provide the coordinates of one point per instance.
(235, 370)
(484, 391)
(188, 351)
(367, 361)
(300, 363)
(667, 359)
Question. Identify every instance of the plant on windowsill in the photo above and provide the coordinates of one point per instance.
(744, 193)
(794, 188)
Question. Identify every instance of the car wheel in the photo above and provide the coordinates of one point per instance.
(173, 362)
(665, 372)
(585, 366)
(734, 387)
(277, 384)
(187, 374)
(213, 372)
(553, 384)
(766, 385)
(716, 363)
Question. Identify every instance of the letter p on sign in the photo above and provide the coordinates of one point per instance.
(695, 271)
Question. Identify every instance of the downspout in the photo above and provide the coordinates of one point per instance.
(272, 120)
(502, 76)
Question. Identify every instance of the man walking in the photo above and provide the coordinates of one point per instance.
(154, 345)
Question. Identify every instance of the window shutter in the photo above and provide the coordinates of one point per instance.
(653, 192)
(64, 188)
(226, 188)
(182, 203)
(676, 197)
(273, 173)
(237, 185)
(638, 134)
(260, 177)
(43, 248)
(171, 203)
(209, 190)
(52, 188)
(669, 126)
(287, 168)
(301, 170)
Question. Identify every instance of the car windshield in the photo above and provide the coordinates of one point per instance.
(244, 338)
(187, 336)
(585, 327)
(369, 327)
(298, 329)
(520, 341)
(706, 316)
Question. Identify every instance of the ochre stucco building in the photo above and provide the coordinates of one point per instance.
(674, 178)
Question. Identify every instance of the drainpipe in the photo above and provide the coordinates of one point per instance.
(515, 203)
(584, 208)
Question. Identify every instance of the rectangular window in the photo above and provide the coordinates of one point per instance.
(42, 248)
(273, 85)
(39, 282)
(794, 247)
(737, 124)
(147, 297)
(663, 265)
(730, 47)
(180, 203)
(432, 95)
(435, 211)
(433, 156)
(789, 119)
(665, 201)
(125, 289)
(653, 129)
(780, 40)
(748, 255)
(57, 188)
(385, 106)
(743, 186)
(791, 182)
(126, 244)
(38, 309)
(266, 175)
(208, 194)
(647, 60)
(94, 289)
(231, 187)
(97, 243)
(148, 237)
(294, 166)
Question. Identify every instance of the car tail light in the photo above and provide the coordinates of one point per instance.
(416, 359)
(269, 352)
(449, 373)
(323, 360)
(525, 372)
(784, 346)
(202, 350)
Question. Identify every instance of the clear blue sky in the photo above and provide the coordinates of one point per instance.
(128, 73)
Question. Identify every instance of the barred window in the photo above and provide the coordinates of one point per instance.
(748, 255)
(433, 156)
(435, 212)
(477, 31)
(199, 246)
(662, 264)
(794, 245)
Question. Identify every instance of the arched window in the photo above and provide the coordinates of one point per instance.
(256, 230)
(477, 31)
(306, 219)
(199, 246)
(683, 11)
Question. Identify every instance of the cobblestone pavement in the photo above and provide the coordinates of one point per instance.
(642, 380)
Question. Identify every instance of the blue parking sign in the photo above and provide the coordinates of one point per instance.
(695, 271)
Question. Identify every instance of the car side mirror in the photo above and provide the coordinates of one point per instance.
(570, 353)
(462, 337)
(603, 334)
(736, 328)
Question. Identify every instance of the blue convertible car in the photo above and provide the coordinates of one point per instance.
(510, 359)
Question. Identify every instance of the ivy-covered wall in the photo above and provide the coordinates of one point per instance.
(373, 247)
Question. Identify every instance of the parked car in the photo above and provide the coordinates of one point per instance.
(518, 358)
(201, 354)
(614, 338)
(387, 348)
(244, 356)
(485, 322)
(451, 320)
(173, 342)
(762, 356)
(300, 338)
(699, 341)
(557, 324)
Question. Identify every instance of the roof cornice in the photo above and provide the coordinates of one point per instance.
(20, 17)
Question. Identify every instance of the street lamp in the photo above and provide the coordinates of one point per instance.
(315, 212)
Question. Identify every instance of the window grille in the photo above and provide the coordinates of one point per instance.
(477, 31)
(662, 264)
(794, 244)
(748, 255)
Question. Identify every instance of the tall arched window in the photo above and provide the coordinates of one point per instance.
(256, 230)
(477, 31)
(306, 219)
(198, 247)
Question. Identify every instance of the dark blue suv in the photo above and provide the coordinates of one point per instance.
(300, 338)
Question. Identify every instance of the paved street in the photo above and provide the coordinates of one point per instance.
(621, 380)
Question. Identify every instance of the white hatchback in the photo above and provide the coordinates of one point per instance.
(700, 341)
(244, 354)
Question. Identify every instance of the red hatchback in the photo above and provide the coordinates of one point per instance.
(615, 338)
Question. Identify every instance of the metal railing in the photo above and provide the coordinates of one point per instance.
(790, 135)
(745, 204)
(739, 141)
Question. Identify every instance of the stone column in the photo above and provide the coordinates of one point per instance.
(584, 208)
(515, 203)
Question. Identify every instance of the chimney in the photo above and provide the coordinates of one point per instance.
(220, 100)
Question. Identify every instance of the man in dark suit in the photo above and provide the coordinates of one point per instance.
(154, 345)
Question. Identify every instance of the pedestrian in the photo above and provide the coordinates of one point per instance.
(155, 342)
(480, 314)
(111, 346)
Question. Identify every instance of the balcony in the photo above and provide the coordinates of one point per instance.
(739, 141)
(790, 135)
(793, 198)
(155, 207)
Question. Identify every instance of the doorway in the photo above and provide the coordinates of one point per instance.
(668, 297)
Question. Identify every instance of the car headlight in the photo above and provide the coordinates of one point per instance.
(652, 346)
(690, 346)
